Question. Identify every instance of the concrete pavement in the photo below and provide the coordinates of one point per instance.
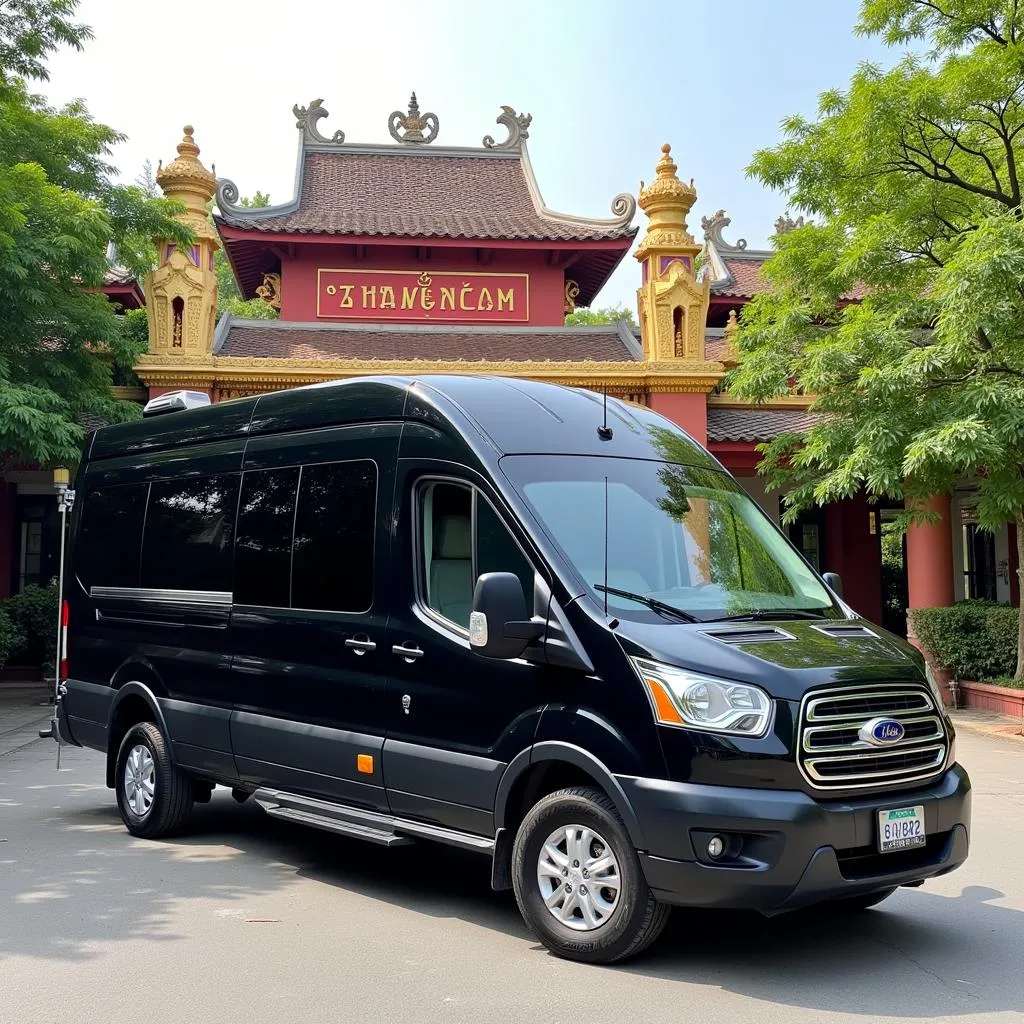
(248, 919)
(24, 709)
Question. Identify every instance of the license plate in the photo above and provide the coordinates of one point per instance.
(901, 828)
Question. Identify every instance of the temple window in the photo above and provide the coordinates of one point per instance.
(677, 331)
(178, 311)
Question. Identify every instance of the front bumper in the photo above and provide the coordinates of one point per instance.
(794, 850)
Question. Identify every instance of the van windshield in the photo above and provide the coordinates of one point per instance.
(680, 536)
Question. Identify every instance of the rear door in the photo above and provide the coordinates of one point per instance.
(308, 621)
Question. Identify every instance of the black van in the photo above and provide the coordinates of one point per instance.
(508, 616)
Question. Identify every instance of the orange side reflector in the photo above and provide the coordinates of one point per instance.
(666, 710)
(364, 763)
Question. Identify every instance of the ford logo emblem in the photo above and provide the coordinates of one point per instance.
(881, 732)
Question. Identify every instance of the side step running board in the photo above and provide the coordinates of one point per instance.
(383, 829)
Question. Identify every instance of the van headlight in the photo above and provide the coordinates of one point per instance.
(694, 701)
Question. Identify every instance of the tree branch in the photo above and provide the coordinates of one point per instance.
(941, 173)
(954, 138)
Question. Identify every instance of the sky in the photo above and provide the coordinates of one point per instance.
(607, 82)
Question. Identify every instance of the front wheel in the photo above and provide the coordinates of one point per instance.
(578, 881)
(153, 796)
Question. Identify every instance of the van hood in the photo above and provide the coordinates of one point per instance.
(786, 658)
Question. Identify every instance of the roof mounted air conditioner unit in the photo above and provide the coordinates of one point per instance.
(175, 401)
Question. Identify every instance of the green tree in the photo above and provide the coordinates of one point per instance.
(913, 179)
(59, 209)
(587, 317)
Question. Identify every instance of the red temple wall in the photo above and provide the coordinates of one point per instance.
(853, 551)
(688, 410)
(299, 279)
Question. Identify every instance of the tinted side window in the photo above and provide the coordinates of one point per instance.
(107, 547)
(335, 521)
(497, 551)
(453, 555)
(263, 548)
(189, 529)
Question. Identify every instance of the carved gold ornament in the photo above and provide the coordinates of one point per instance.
(270, 291)
(572, 290)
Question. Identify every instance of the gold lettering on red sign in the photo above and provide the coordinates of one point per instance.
(445, 295)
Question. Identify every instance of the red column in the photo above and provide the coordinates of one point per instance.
(688, 409)
(930, 558)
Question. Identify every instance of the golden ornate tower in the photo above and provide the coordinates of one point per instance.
(673, 306)
(181, 293)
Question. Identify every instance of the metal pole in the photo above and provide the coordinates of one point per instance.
(62, 509)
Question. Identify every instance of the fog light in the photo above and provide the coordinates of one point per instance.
(716, 847)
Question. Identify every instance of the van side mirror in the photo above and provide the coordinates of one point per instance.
(499, 625)
(833, 580)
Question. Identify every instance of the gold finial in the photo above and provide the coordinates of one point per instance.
(667, 201)
(185, 178)
(732, 325)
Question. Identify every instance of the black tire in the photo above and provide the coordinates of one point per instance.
(173, 791)
(637, 919)
(855, 904)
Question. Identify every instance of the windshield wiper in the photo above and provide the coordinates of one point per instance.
(662, 607)
(769, 614)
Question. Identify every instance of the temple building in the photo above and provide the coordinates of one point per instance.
(422, 257)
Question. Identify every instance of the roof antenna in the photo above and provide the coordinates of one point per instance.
(606, 547)
(604, 431)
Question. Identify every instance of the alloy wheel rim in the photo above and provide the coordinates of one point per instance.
(140, 780)
(578, 877)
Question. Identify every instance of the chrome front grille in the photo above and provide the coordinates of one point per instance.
(832, 754)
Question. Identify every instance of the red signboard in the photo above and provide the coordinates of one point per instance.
(369, 295)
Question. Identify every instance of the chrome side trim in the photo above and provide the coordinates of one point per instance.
(218, 598)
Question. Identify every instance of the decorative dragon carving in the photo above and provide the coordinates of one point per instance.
(306, 119)
(713, 226)
(517, 125)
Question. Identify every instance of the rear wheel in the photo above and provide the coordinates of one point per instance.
(578, 881)
(153, 796)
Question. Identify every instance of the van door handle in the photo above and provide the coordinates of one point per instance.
(409, 653)
(360, 644)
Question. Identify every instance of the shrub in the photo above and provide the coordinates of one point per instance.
(974, 640)
(1008, 681)
(11, 638)
(33, 613)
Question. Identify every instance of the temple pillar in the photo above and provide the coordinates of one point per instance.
(687, 409)
(930, 558)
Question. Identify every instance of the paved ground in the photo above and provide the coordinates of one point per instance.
(251, 920)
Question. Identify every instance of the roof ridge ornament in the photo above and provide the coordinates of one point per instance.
(786, 223)
(517, 125)
(413, 123)
(713, 226)
(306, 119)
